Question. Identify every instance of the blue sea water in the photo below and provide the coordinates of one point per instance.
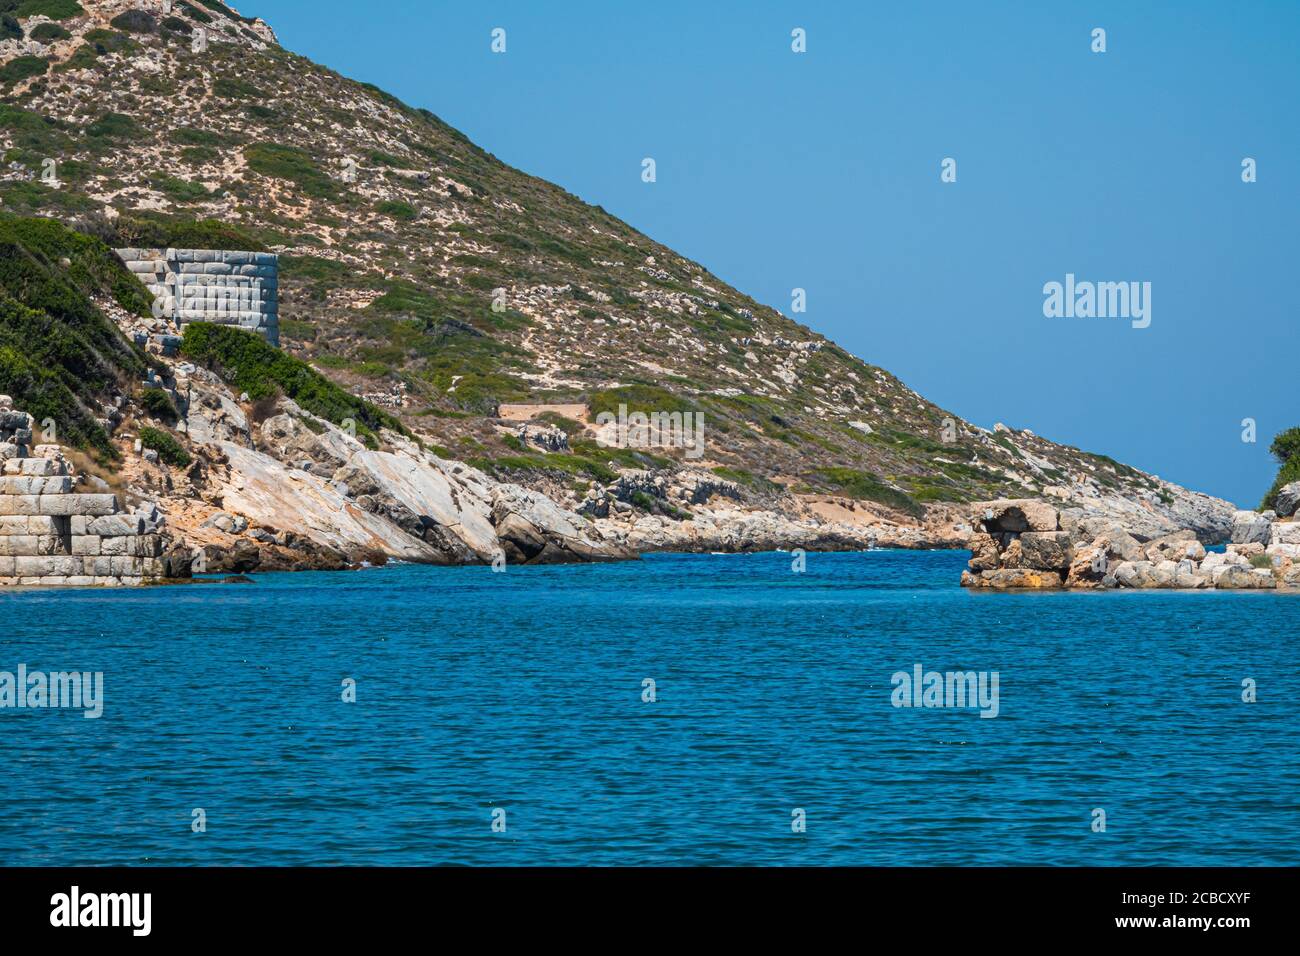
(523, 691)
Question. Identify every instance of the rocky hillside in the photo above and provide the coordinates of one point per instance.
(421, 273)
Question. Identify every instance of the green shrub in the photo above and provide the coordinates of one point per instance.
(180, 190)
(291, 163)
(176, 25)
(113, 127)
(222, 8)
(1261, 561)
(158, 403)
(23, 67)
(1285, 446)
(135, 21)
(168, 448)
(54, 9)
(49, 32)
(231, 88)
(1285, 450)
(251, 364)
(156, 232)
(637, 398)
(60, 356)
(398, 210)
(866, 486)
(1288, 473)
(188, 136)
(11, 29)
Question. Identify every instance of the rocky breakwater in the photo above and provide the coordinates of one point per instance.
(51, 535)
(1026, 544)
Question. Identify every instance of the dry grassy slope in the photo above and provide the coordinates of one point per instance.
(388, 279)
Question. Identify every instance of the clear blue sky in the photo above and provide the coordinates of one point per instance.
(821, 171)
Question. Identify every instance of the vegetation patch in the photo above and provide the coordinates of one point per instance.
(168, 448)
(158, 403)
(60, 357)
(23, 67)
(180, 190)
(867, 487)
(135, 21)
(638, 398)
(54, 9)
(292, 164)
(1285, 449)
(230, 88)
(158, 232)
(114, 127)
(398, 210)
(251, 364)
(49, 32)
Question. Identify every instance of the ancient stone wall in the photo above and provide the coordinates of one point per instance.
(210, 285)
(51, 535)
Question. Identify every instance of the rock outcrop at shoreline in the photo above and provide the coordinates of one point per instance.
(1023, 544)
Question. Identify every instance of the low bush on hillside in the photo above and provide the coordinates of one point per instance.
(168, 448)
(1286, 451)
(49, 32)
(60, 357)
(54, 9)
(398, 210)
(251, 364)
(23, 67)
(292, 164)
(638, 398)
(135, 21)
(865, 486)
(158, 403)
(143, 231)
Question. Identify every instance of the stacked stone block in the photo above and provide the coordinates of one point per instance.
(53, 536)
(210, 285)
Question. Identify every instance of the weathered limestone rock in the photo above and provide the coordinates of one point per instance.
(546, 437)
(1175, 547)
(1015, 515)
(1248, 526)
(1287, 501)
(1012, 579)
(1285, 532)
(1237, 576)
(1046, 550)
(984, 552)
(535, 530)
(267, 493)
(1090, 566)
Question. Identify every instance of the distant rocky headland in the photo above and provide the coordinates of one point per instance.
(340, 333)
(1029, 545)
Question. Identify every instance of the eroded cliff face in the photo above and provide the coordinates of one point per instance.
(272, 486)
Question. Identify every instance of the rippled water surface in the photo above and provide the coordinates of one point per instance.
(523, 691)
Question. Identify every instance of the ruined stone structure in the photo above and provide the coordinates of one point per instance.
(210, 285)
(51, 535)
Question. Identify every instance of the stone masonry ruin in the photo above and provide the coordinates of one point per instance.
(210, 285)
(53, 536)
